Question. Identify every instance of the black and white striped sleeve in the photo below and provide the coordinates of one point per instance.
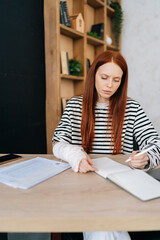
(146, 135)
(63, 132)
(154, 154)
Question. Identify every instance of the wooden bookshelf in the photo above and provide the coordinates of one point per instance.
(70, 32)
(113, 47)
(79, 46)
(110, 12)
(71, 77)
(94, 41)
(95, 3)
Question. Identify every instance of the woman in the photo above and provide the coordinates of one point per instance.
(105, 121)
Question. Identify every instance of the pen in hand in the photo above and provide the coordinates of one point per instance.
(140, 153)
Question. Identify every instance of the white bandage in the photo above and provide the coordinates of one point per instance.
(69, 153)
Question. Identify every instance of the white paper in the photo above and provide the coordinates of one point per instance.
(31, 172)
(135, 181)
(138, 183)
(107, 166)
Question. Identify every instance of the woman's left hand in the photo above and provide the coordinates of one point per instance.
(139, 161)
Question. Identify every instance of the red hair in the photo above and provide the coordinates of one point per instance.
(117, 103)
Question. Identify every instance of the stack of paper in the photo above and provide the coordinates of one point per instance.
(31, 172)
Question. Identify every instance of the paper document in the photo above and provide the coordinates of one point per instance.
(31, 172)
(135, 181)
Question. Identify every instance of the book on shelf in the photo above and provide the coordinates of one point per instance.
(108, 2)
(68, 63)
(88, 64)
(65, 7)
(64, 14)
(61, 13)
(65, 63)
(135, 181)
(98, 28)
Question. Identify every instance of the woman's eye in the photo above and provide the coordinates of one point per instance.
(104, 78)
(116, 80)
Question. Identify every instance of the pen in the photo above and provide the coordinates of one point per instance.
(140, 153)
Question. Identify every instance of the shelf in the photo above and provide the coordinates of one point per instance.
(113, 47)
(110, 11)
(80, 46)
(94, 41)
(70, 32)
(95, 3)
(71, 77)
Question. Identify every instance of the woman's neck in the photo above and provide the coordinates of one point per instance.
(102, 104)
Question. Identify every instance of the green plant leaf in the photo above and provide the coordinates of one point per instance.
(117, 20)
(75, 67)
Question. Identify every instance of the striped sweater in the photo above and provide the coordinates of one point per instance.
(136, 125)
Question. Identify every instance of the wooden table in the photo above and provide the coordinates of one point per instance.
(74, 202)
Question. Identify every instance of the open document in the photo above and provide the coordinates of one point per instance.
(135, 181)
(31, 172)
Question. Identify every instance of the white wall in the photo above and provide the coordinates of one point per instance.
(141, 49)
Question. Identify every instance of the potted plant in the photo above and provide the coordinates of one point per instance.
(75, 67)
(117, 20)
(93, 34)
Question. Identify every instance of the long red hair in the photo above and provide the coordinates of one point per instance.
(117, 103)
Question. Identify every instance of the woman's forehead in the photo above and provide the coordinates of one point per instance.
(110, 68)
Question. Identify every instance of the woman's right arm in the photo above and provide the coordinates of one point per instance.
(65, 150)
(74, 155)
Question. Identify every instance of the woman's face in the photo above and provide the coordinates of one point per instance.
(107, 81)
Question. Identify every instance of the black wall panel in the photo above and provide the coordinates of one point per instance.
(22, 77)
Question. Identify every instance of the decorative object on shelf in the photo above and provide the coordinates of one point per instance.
(108, 40)
(64, 63)
(93, 34)
(88, 64)
(64, 15)
(98, 28)
(75, 67)
(117, 20)
(77, 22)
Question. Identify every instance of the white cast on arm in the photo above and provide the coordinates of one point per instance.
(69, 153)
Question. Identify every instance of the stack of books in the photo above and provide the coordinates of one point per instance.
(64, 15)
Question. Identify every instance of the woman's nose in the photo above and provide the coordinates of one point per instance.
(110, 83)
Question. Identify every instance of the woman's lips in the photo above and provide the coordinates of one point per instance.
(107, 91)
